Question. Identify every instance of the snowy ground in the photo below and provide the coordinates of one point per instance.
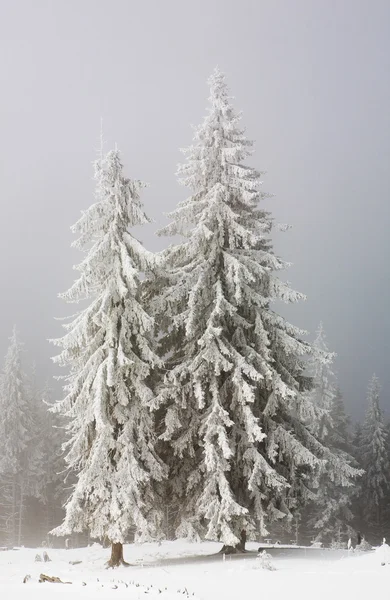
(179, 569)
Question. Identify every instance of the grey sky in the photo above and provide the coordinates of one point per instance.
(312, 78)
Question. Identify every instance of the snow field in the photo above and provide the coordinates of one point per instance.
(180, 569)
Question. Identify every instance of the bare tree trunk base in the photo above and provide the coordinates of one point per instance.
(121, 563)
(117, 559)
(233, 549)
(238, 548)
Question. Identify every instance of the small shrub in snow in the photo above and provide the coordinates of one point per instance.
(264, 561)
(364, 546)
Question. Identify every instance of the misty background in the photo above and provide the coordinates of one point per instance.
(312, 79)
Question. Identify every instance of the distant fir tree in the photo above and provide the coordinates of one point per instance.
(357, 503)
(238, 426)
(386, 512)
(323, 391)
(54, 484)
(18, 455)
(109, 350)
(357, 441)
(39, 456)
(375, 461)
(328, 516)
(36, 449)
(340, 435)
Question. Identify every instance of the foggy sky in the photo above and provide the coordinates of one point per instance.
(312, 79)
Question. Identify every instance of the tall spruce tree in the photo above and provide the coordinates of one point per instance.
(237, 425)
(110, 353)
(375, 461)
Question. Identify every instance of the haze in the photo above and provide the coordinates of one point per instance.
(312, 79)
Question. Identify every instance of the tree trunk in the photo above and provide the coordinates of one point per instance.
(47, 520)
(12, 540)
(20, 517)
(240, 547)
(116, 555)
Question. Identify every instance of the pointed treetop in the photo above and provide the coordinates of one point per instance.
(374, 380)
(321, 354)
(14, 339)
(218, 87)
(217, 79)
(373, 390)
(320, 340)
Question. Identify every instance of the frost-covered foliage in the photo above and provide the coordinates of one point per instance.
(14, 408)
(37, 451)
(31, 472)
(339, 542)
(329, 516)
(364, 546)
(109, 351)
(239, 427)
(20, 448)
(264, 561)
(373, 452)
(53, 484)
(323, 392)
(340, 435)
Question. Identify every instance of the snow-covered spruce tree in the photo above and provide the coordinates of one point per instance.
(357, 504)
(324, 382)
(37, 461)
(37, 440)
(341, 435)
(375, 461)
(236, 423)
(53, 487)
(15, 439)
(328, 517)
(386, 515)
(110, 354)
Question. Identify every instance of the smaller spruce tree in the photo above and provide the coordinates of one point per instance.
(328, 516)
(109, 350)
(16, 437)
(375, 461)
